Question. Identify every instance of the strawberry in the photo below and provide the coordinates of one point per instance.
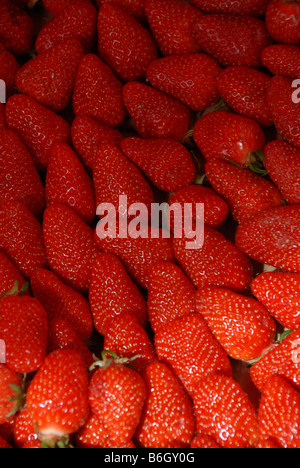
(113, 293)
(216, 34)
(24, 430)
(282, 161)
(23, 328)
(189, 347)
(4, 444)
(217, 263)
(224, 412)
(245, 192)
(268, 444)
(19, 178)
(77, 20)
(223, 134)
(234, 319)
(167, 163)
(284, 111)
(89, 133)
(57, 6)
(70, 246)
(50, 76)
(2, 116)
(190, 78)
(116, 395)
(170, 295)
(239, 7)
(135, 7)
(244, 89)
(279, 413)
(68, 182)
(10, 392)
(98, 92)
(62, 301)
(21, 237)
(37, 126)
(57, 397)
(282, 59)
(9, 275)
(204, 441)
(168, 416)
(123, 43)
(176, 17)
(154, 113)
(272, 237)
(8, 69)
(282, 21)
(16, 28)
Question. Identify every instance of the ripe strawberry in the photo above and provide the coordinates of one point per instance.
(170, 22)
(62, 301)
(272, 237)
(189, 347)
(217, 263)
(154, 113)
(57, 6)
(222, 134)
(282, 21)
(284, 111)
(168, 416)
(225, 413)
(10, 392)
(4, 444)
(116, 395)
(167, 163)
(113, 293)
(57, 397)
(98, 92)
(123, 43)
(77, 20)
(67, 182)
(170, 295)
(282, 59)
(16, 28)
(70, 246)
(245, 192)
(19, 179)
(135, 7)
(234, 319)
(204, 441)
(8, 69)
(279, 413)
(282, 161)
(37, 126)
(244, 90)
(24, 430)
(10, 276)
(239, 7)
(190, 78)
(23, 329)
(21, 237)
(50, 76)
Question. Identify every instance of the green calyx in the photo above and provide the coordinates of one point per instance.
(109, 357)
(16, 290)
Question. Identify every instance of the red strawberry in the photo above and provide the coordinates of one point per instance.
(282, 21)
(9, 275)
(8, 69)
(19, 179)
(57, 6)
(282, 161)
(232, 39)
(50, 76)
(68, 182)
(135, 7)
(2, 116)
(170, 22)
(234, 319)
(272, 237)
(16, 28)
(222, 134)
(57, 397)
(4, 444)
(217, 263)
(77, 20)
(154, 113)
(166, 162)
(116, 395)
(239, 7)
(24, 429)
(168, 416)
(10, 392)
(268, 444)
(113, 293)
(282, 59)
(170, 295)
(245, 192)
(279, 413)
(70, 246)
(37, 126)
(62, 301)
(244, 90)
(21, 237)
(225, 413)
(284, 111)
(98, 92)
(123, 43)
(204, 441)
(23, 329)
